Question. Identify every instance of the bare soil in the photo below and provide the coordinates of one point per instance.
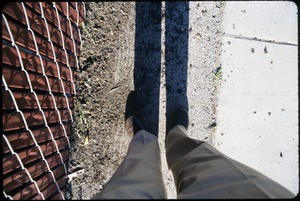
(103, 83)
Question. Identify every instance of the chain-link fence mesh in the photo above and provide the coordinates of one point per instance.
(40, 52)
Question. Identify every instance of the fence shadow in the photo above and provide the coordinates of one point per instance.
(147, 63)
(176, 57)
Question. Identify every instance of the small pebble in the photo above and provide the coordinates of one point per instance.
(265, 50)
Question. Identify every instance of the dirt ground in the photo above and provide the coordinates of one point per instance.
(103, 83)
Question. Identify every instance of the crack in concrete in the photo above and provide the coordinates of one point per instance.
(258, 39)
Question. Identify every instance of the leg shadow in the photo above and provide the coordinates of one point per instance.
(176, 59)
(147, 63)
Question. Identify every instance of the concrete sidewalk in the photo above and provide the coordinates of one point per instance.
(257, 113)
(256, 119)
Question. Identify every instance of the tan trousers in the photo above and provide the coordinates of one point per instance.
(200, 171)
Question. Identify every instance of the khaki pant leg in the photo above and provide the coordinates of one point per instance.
(139, 175)
(201, 171)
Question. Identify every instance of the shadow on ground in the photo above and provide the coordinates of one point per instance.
(176, 59)
(147, 63)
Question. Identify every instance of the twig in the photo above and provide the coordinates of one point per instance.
(75, 174)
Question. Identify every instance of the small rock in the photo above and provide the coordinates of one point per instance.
(269, 113)
(219, 5)
(252, 50)
(214, 124)
(198, 36)
(281, 154)
(265, 50)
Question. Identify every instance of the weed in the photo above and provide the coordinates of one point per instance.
(85, 31)
(82, 123)
(83, 28)
(217, 74)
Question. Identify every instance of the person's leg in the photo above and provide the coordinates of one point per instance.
(201, 171)
(139, 175)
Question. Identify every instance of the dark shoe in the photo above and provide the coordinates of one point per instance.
(131, 105)
(132, 125)
(179, 117)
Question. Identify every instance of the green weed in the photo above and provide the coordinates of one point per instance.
(217, 74)
(82, 123)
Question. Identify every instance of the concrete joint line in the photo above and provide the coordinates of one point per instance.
(258, 39)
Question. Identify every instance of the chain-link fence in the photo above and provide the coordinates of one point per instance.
(40, 52)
